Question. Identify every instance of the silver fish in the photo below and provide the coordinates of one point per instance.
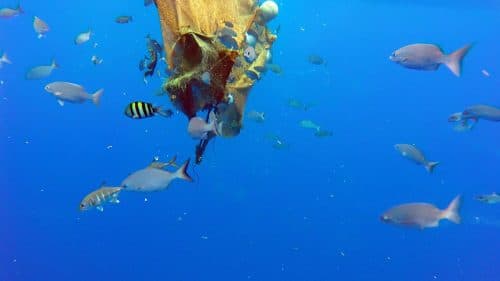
(308, 124)
(412, 153)
(482, 111)
(429, 57)
(256, 116)
(100, 196)
(83, 37)
(9, 12)
(422, 215)
(152, 178)
(493, 198)
(198, 128)
(40, 27)
(70, 92)
(42, 71)
(4, 59)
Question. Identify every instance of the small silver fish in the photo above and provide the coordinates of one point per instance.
(481, 111)
(493, 198)
(70, 92)
(412, 153)
(4, 59)
(198, 128)
(42, 71)
(429, 57)
(153, 178)
(308, 124)
(96, 60)
(99, 197)
(40, 27)
(9, 12)
(250, 54)
(422, 215)
(83, 37)
(315, 59)
(256, 116)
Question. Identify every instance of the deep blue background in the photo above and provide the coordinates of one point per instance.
(306, 213)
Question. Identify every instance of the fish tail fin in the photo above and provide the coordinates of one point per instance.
(5, 59)
(430, 166)
(54, 64)
(452, 212)
(181, 173)
(96, 97)
(454, 60)
(167, 113)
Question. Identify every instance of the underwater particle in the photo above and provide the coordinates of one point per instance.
(342, 253)
(95, 45)
(429, 57)
(96, 60)
(388, 258)
(282, 267)
(485, 73)
(204, 237)
(2, 82)
(145, 199)
(179, 218)
(205, 77)
(332, 196)
(109, 147)
(14, 260)
(27, 142)
(42, 189)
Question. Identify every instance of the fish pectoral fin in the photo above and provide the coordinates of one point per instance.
(61, 103)
(57, 94)
(100, 208)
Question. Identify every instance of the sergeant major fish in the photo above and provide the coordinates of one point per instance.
(422, 215)
(153, 178)
(139, 110)
(99, 197)
(412, 153)
(42, 71)
(429, 57)
(70, 92)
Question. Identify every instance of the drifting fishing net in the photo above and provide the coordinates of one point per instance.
(205, 41)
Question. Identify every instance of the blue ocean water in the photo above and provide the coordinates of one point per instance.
(309, 212)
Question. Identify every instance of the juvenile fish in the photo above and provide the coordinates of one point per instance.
(9, 12)
(308, 124)
(493, 198)
(422, 215)
(42, 71)
(123, 19)
(83, 37)
(99, 197)
(412, 153)
(140, 110)
(74, 93)
(315, 59)
(96, 60)
(429, 57)
(40, 27)
(4, 59)
(198, 128)
(256, 116)
(153, 178)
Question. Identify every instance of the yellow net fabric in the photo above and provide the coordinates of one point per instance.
(195, 35)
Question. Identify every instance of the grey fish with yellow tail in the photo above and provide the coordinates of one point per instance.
(152, 179)
(99, 197)
(429, 57)
(422, 215)
(412, 153)
(140, 110)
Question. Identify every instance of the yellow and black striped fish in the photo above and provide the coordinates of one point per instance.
(139, 110)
